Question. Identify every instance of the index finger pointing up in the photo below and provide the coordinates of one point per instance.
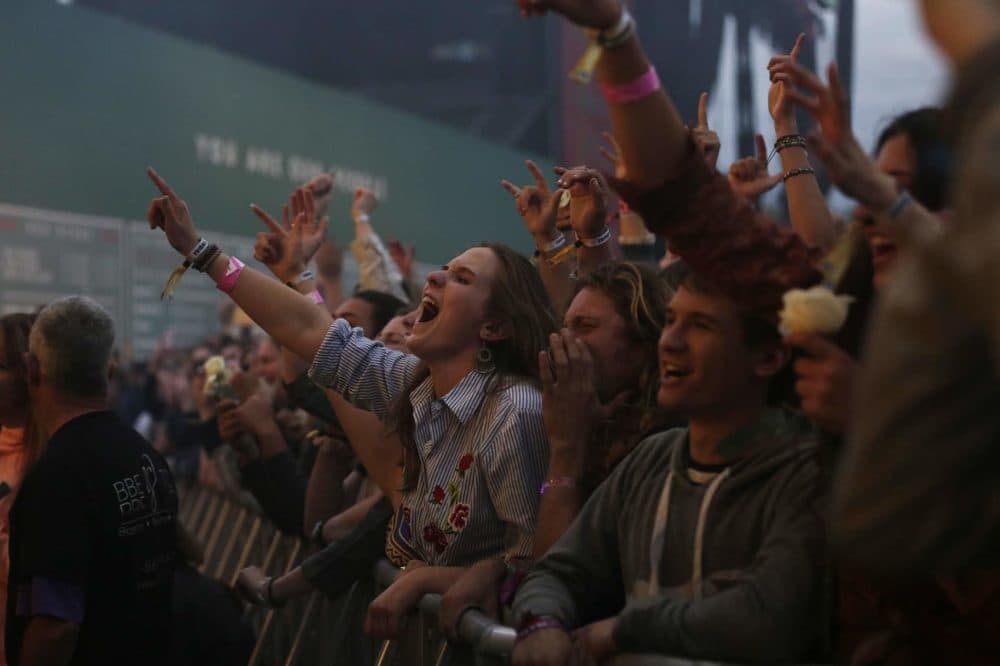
(539, 177)
(797, 49)
(161, 184)
(271, 223)
(761, 151)
(703, 111)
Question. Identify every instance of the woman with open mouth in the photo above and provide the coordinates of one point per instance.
(465, 401)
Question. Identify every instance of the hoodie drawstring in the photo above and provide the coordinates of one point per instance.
(659, 534)
(656, 544)
(699, 533)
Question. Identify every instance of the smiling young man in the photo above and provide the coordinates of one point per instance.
(725, 510)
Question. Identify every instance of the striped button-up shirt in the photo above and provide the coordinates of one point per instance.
(482, 447)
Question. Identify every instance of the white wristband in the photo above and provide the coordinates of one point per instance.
(199, 247)
(617, 34)
(556, 243)
(596, 242)
(303, 276)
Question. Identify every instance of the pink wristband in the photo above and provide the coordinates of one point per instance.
(633, 91)
(233, 271)
(538, 624)
(316, 297)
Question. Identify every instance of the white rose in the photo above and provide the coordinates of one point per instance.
(215, 365)
(816, 310)
(215, 373)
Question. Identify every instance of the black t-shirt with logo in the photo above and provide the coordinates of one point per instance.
(93, 540)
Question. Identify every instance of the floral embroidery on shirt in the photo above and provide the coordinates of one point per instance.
(437, 495)
(459, 516)
(434, 536)
(457, 513)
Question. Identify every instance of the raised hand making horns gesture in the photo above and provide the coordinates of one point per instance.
(288, 247)
(537, 205)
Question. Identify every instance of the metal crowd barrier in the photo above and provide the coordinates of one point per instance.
(317, 630)
(314, 629)
(309, 630)
(483, 641)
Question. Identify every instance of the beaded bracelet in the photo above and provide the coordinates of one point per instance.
(200, 258)
(601, 40)
(204, 262)
(801, 171)
(790, 141)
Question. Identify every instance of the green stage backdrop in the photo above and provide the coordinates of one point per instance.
(87, 101)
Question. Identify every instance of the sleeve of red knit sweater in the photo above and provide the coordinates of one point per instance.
(743, 253)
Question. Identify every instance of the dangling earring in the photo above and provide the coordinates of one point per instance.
(484, 361)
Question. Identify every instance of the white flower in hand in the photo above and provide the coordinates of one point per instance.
(216, 373)
(815, 310)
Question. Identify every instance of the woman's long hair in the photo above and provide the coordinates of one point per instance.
(519, 300)
(15, 329)
(924, 129)
(640, 296)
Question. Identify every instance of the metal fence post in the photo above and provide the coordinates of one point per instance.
(202, 529)
(227, 550)
(216, 530)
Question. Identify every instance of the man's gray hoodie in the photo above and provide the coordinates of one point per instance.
(743, 562)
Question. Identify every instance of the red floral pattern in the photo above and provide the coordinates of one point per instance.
(437, 495)
(433, 535)
(459, 516)
(458, 513)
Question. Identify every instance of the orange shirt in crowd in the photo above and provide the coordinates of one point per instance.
(12, 458)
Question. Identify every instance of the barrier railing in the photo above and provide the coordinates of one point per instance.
(317, 630)
(482, 640)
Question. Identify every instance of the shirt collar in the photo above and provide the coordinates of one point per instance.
(464, 399)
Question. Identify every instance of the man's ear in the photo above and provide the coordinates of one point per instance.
(494, 331)
(32, 369)
(772, 360)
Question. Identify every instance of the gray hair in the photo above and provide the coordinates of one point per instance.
(77, 336)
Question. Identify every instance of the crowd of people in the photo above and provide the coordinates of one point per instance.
(772, 443)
